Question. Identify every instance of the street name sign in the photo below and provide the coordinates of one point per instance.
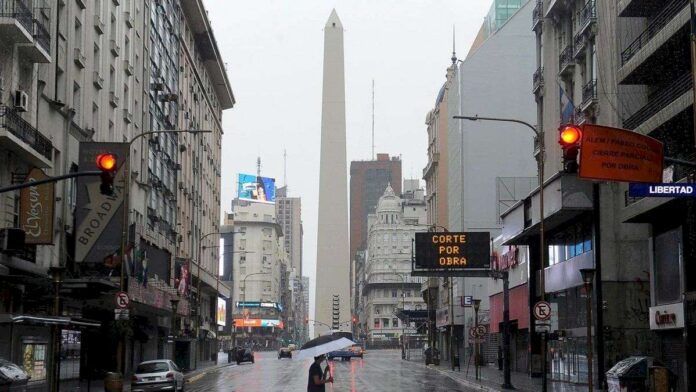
(542, 310)
(662, 190)
(449, 250)
(615, 154)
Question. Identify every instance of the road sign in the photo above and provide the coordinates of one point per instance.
(467, 300)
(121, 314)
(542, 310)
(542, 327)
(619, 155)
(453, 251)
(122, 300)
(481, 331)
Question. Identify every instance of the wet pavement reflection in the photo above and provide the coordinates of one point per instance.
(380, 370)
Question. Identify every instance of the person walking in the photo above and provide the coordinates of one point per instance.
(317, 378)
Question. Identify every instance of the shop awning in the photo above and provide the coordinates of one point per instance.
(420, 315)
(47, 320)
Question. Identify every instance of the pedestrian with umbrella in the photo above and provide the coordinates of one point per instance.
(317, 348)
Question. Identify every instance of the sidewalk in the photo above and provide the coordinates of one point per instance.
(492, 379)
(204, 367)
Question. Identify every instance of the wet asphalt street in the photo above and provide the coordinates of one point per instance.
(380, 370)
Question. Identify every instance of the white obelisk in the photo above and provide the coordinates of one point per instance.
(333, 264)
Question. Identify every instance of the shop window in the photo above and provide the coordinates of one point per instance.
(667, 260)
(34, 360)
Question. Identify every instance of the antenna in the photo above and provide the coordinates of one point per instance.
(454, 40)
(285, 167)
(258, 167)
(373, 119)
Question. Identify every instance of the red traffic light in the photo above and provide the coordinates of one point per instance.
(570, 134)
(106, 162)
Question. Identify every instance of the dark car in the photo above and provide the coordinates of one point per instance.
(284, 352)
(12, 377)
(245, 355)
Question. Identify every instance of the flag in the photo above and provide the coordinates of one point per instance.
(130, 260)
(567, 107)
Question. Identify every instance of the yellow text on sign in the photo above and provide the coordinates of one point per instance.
(448, 249)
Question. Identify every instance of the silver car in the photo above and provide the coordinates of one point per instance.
(157, 375)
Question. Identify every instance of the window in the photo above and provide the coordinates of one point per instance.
(667, 259)
(34, 363)
(395, 322)
(242, 244)
(386, 323)
(376, 323)
(395, 293)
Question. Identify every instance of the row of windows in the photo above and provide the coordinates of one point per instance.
(570, 242)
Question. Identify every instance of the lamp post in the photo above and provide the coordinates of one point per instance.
(587, 278)
(403, 307)
(477, 305)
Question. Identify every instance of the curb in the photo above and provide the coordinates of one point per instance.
(464, 382)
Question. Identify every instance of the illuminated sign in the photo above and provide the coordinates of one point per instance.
(256, 304)
(221, 315)
(662, 190)
(260, 189)
(463, 250)
(258, 323)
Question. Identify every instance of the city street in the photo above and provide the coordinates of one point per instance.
(380, 370)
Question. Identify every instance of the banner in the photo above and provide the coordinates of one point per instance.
(221, 315)
(182, 276)
(36, 207)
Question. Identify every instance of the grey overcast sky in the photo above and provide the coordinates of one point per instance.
(274, 51)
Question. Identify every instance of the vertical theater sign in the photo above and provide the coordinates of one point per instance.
(36, 207)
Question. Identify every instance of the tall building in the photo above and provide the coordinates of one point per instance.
(654, 75)
(368, 179)
(576, 81)
(332, 304)
(259, 270)
(289, 215)
(117, 69)
(388, 291)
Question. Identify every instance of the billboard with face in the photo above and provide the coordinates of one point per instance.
(251, 187)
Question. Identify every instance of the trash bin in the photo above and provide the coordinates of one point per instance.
(113, 382)
(630, 375)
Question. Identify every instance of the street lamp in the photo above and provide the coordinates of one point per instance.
(477, 305)
(587, 278)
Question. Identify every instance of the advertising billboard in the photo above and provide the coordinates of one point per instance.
(182, 276)
(258, 323)
(260, 189)
(221, 314)
(453, 250)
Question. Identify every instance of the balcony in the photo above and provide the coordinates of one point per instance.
(538, 80)
(580, 117)
(115, 49)
(566, 62)
(16, 21)
(127, 116)
(587, 17)
(130, 21)
(38, 51)
(579, 46)
(589, 95)
(113, 99)
(79, 58)
(18, 135)
(128, 67)
(99, 25)
(97, 80)
(660, 100)
(538, 15)
(668, 13)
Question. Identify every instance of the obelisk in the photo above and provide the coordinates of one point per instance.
(332, 305)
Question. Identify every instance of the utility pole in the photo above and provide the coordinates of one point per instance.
(373, 119)
(693, 58)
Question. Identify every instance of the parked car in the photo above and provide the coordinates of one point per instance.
(346, 354)
(157, 375)
(284, 352)
(12, 377)
(245, 355)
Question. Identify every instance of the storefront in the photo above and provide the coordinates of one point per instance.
(519, 326)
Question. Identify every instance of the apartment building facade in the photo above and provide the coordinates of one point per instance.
(108, 71)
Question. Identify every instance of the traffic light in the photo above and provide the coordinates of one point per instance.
(569, 139)
(107, 163)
